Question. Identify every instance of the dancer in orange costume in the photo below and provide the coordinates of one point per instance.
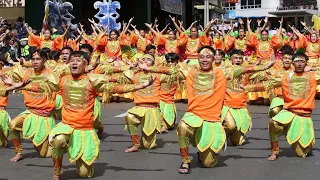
(167, 91)
(45, 41)
(76, 131)
(36, 122)
(299, 90)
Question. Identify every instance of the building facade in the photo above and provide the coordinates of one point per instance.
(143, 10)
(293, 11)
(12, 9)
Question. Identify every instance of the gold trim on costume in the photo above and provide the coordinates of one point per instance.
(76, 93)
(299, 86)
(264, 46)
(204, 82)
(148, 91)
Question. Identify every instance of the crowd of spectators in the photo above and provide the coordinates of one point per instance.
(13, 41)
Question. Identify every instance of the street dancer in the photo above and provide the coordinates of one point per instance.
(167, 91)
(37, 121)
(299, 90)
(76, 131)
(236, 118)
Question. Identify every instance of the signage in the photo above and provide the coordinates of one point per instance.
(232, 1)
(229, 15)
(12, 3)
(171, 6)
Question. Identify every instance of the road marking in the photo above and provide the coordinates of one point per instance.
(122, 115)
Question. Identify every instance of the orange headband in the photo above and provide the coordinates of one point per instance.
(35, 53)
(206, 51)
(148, 56)
(82, 58)
(298, 59)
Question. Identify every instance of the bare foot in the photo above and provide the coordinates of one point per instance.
(17, 158)
(133, 149)
(164, 130)
(56, 177)
(272, 157)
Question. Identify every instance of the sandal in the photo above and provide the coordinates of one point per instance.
(188, 169)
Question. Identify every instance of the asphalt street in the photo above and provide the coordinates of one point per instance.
(248, 162)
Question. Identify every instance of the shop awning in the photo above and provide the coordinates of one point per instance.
(293, 12)
(214, 8)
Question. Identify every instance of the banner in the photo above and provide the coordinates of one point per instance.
(229, 15)
(171, 6)
(12, 3)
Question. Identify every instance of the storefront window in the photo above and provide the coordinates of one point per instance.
(250, 4)
(230, 6)
(300, 4)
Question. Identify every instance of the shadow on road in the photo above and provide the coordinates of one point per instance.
(99, 169)
(115, 141)
(125, 134)
(195, 163)
(114, 124)
(108, 150)
(260, 139)
(161, 143)
(34, 154)
(260, 129)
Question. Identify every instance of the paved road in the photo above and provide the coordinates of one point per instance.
(241, 163)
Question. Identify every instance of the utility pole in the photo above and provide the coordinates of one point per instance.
(206, 12)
